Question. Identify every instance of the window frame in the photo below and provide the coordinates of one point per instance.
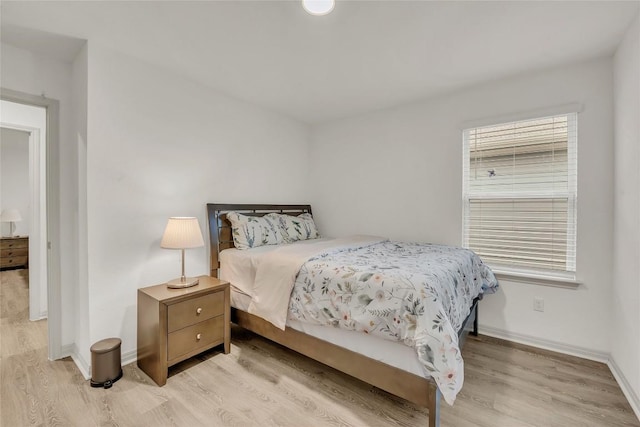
(566, 277)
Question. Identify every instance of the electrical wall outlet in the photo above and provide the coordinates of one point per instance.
(538, 304)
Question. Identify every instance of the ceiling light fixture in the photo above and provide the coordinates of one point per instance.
(318, 7)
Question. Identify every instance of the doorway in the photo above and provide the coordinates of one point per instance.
(15, 218)
(38, 116)
(24, 191)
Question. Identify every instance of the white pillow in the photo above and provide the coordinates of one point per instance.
(301, 227)
(252, 231)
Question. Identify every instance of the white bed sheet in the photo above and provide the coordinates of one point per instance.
(239, 266)
(389, 352)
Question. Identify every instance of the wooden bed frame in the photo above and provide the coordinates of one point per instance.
(416, 389)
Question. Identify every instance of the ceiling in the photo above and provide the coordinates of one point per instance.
(365, 55)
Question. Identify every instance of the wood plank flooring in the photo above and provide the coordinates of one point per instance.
(262, 384)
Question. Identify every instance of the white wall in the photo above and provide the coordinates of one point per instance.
(625, 333)
(160, 145)
(398, 173)
(14, 176)
(35, 74)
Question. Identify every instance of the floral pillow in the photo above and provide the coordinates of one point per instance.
(301, 227)
(250, 231)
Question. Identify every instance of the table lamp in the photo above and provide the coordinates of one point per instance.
(182, 233)
(11, 216)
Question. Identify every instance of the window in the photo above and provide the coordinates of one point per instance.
(520, 193)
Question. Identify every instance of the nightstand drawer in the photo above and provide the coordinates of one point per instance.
(14, 252)
(195, 310)
(194, 337)
(14, 242)
(13, 261)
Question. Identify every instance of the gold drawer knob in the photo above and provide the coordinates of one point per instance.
(198, 337)
(198, 310)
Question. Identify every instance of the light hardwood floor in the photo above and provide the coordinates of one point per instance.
(262, 384)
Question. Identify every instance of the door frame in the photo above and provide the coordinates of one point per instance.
(52, 212)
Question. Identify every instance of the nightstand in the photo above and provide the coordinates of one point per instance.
(176, 324)
(14, 252)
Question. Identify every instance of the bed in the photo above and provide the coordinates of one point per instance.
(388, 365)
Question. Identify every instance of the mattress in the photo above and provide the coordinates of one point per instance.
(389, 352)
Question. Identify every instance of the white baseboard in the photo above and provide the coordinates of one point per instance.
(129, 357)
(81, 363)
(628, 391)
(39, 316)
(571, 350)
(66, 350)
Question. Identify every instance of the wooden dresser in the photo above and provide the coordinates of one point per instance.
(14, 252)
(176, 324)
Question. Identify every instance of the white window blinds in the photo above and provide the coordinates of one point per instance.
(520, 193)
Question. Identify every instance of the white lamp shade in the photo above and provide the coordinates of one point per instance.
(182, 233)
(10, 215)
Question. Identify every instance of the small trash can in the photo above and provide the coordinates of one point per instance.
(105, 362)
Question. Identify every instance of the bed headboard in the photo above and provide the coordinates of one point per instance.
(220, 236)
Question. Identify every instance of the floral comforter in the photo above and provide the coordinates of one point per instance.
(419, 294)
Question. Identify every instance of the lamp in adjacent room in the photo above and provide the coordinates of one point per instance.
(182, 233)
(11, 216)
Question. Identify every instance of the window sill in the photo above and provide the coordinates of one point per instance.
(534, 278)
